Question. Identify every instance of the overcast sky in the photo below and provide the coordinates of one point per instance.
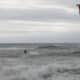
(39, 21)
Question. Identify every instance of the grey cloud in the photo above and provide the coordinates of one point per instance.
(46, 37)
(54, 37)
(68, 3)
(39, 15)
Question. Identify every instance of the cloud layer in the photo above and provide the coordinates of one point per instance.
(39, 21)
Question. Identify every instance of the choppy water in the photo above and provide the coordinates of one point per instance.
(31, 45)
(40, 67)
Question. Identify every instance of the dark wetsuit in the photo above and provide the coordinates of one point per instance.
(25, 51)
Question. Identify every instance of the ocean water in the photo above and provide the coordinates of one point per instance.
(33, 45)
(41, 62)
(35, 49)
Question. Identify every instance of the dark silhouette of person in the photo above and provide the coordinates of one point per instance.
(78, 5)
(25, 51)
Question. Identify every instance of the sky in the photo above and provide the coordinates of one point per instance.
(50, 21)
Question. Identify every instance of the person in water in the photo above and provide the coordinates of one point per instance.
(25, 51)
